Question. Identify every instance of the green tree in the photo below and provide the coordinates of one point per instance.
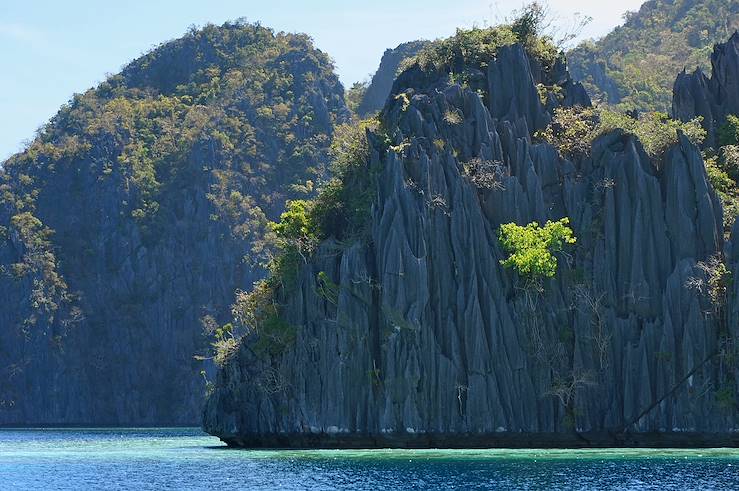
(531, 248)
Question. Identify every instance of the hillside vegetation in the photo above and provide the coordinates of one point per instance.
(141, 206)
(634, 66)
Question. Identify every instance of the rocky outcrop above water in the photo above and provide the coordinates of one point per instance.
(431, 342)
(382, 81)
(712, 98)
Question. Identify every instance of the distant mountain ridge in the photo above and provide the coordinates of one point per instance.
(634, 66)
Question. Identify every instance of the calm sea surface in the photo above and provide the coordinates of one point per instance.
(189, 459)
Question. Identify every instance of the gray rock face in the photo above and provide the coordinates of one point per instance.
(712, 98)
(129, 359)
(382, 81)
(732, 257)
(122, 352)
(432, 342)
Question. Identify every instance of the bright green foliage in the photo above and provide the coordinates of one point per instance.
(573, 130)
(296, 238)
(531, 248)
(635, 65)
(296, 223)
(728, 133)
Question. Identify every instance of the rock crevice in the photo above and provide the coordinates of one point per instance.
(432, 342)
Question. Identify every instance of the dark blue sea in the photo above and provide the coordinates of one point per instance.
(189, 459)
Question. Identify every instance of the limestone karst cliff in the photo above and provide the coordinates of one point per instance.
(424, 339)
(130, 220)
(712, 98)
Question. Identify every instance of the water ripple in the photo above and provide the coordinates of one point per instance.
(188, 459)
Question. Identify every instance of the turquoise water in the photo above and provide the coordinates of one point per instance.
(189, 459)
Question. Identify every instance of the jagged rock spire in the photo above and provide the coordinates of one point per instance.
(712, 98)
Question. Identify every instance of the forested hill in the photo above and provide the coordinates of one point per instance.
(137, 211)
(635, 65)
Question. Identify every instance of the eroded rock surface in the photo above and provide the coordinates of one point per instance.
(431, 342)
(712, 98)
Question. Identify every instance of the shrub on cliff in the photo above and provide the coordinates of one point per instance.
(729, 158)
(340, 210)
(296, 237)
(343, 204)
(257, 314)
(531, 248)
(723, 171)
(467, 48)
(656, 131)
(474, 48)
(573, 130)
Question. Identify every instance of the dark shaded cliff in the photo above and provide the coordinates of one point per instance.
(712, 98)
(382, 81)
(424, 339)
(130, 220)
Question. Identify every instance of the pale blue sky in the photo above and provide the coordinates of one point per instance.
(50, 49)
